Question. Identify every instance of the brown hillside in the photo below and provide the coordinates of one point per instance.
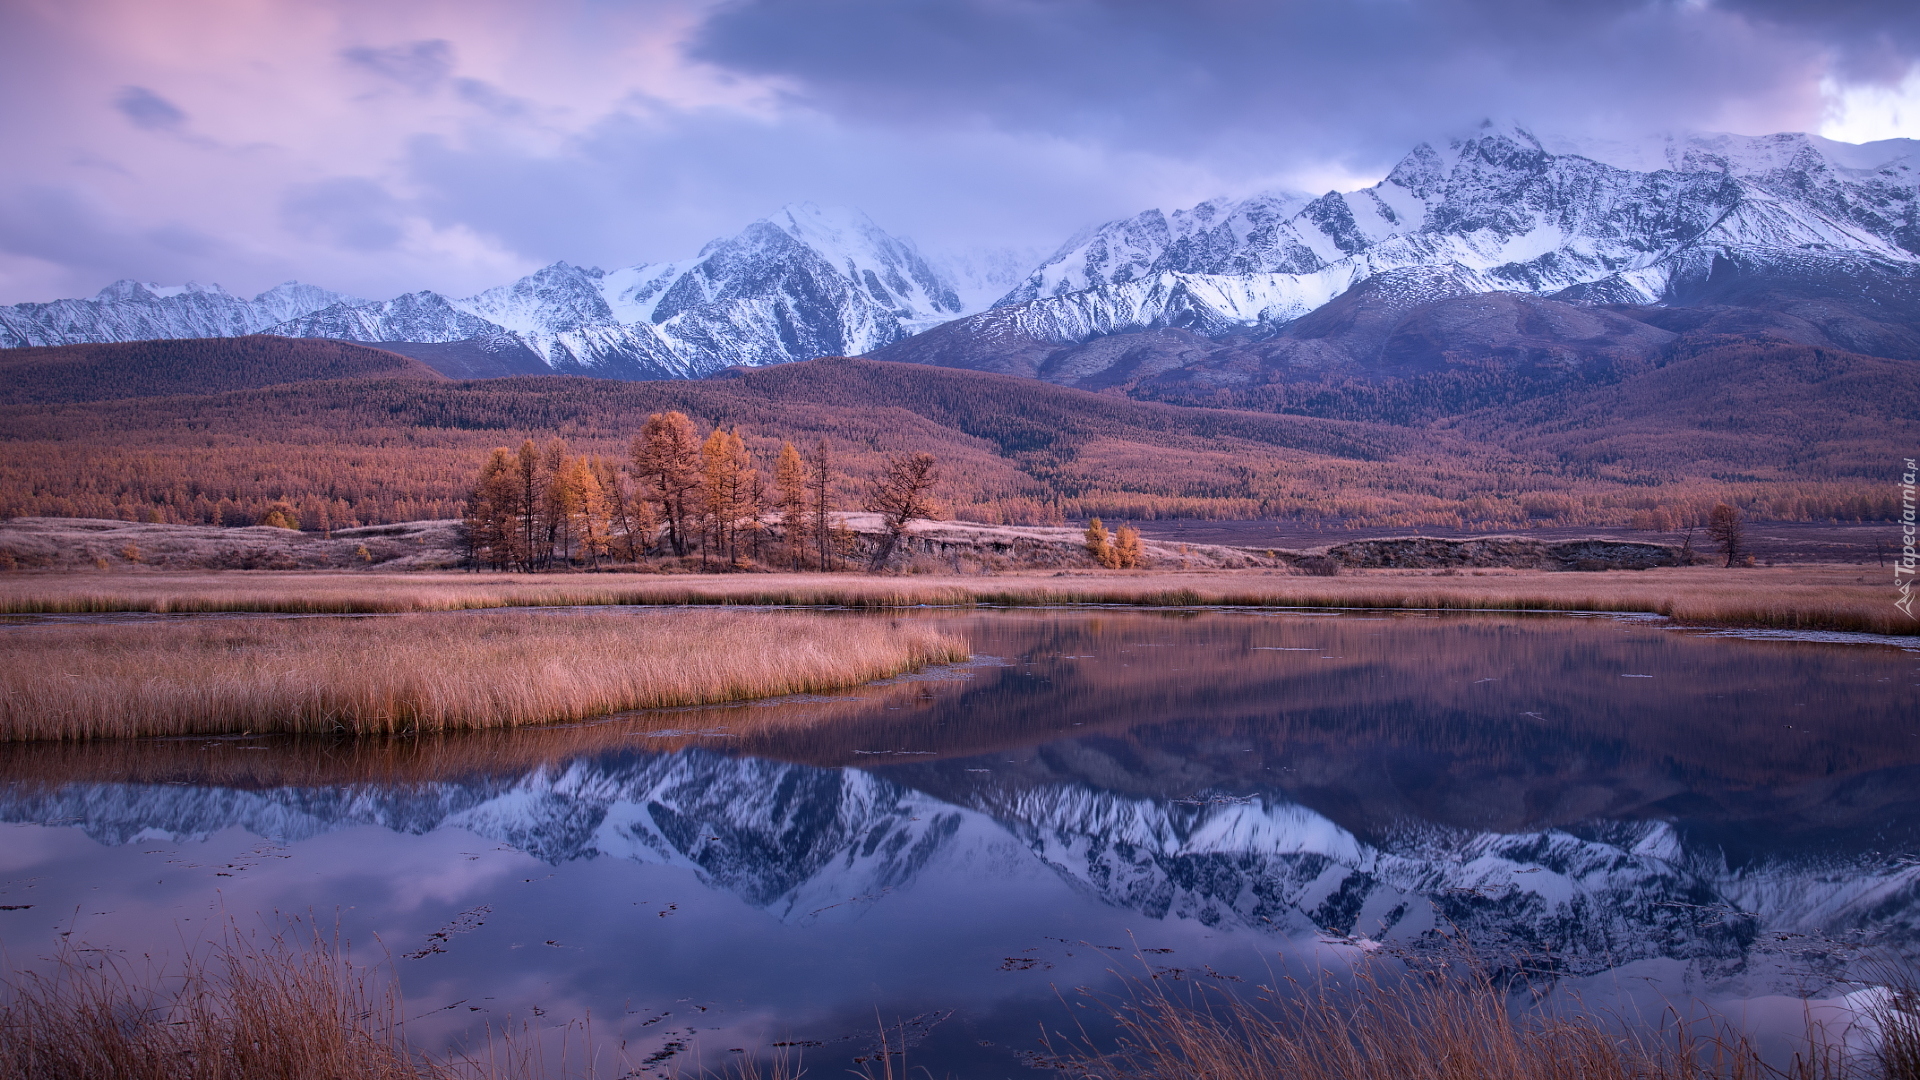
(1770, 412)
(375, 450)
(136, 369)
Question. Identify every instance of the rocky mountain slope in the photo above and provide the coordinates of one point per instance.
(1498, 250)
(143, 311)
(805, 282)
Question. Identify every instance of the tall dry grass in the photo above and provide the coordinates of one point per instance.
(296, 1008)
(245, 1009)
(292, 1006)
(1894, 1019)
(428, 673)
(1450, 1022)
(1803, 597)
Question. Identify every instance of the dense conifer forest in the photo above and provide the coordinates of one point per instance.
(227, 431)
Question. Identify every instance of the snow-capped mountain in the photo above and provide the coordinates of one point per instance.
(791, 839)
(1679, 220)
(808, 281)
(983, 275)
(142, 311)
(1220, 236)
(1499, 210)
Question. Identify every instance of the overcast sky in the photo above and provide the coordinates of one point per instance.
(381, 146)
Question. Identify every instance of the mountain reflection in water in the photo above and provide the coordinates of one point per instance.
(1600, 794)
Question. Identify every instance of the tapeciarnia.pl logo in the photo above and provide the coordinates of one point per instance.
(1904, 566)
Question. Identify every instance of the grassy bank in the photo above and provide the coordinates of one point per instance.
(1804, 597)
(427, 673)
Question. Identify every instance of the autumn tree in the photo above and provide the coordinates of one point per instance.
(281, 515)
(1728, 530)
(1129, 553)
(586, 508)
(1100, 544)
(630, 521)
(666, 458)
(790, 487)
(901, 495)
(558, 509)
(493, 510)
(724, 465)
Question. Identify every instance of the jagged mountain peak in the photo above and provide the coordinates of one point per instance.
(128, 289)
(803, 282)
(129, 310)
(1737, 155)
(794, 839)
(1499, 208)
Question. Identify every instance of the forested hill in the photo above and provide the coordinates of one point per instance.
(135, 369)
(1787, 431)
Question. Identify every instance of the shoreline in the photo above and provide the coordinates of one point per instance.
(1789, 597)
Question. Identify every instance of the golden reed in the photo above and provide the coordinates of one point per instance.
(1453, 1021)
(428, 673)
(241, 1009)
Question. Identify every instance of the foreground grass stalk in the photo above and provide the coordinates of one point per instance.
(1452, 1023)
(426, 673)
(294, 1007)
(247, 1009)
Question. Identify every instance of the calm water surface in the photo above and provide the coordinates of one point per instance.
(1647, 814)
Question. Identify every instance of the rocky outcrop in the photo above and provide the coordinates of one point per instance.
(40, 543)
(1426, 552)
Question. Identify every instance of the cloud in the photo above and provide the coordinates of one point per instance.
(1270, 83)
(451, 144)
(72, 229)
(418, 65)
(149, 110)
(1874, 41)
(353, 212)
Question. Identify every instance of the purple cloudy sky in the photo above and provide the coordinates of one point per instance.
(379, 146)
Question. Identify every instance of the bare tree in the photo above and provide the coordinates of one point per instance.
(528, 462)
(901, 495)
(819, 486)
(1727, 530)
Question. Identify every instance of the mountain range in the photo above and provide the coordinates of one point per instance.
(792, 839)
(1494, 250)
(806, 282)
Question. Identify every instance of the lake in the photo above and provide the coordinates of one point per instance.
(1609, 806)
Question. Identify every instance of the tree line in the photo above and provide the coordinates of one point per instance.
(680, 495)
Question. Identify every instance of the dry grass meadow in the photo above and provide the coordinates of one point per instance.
(427, 673)
(1797, 597)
